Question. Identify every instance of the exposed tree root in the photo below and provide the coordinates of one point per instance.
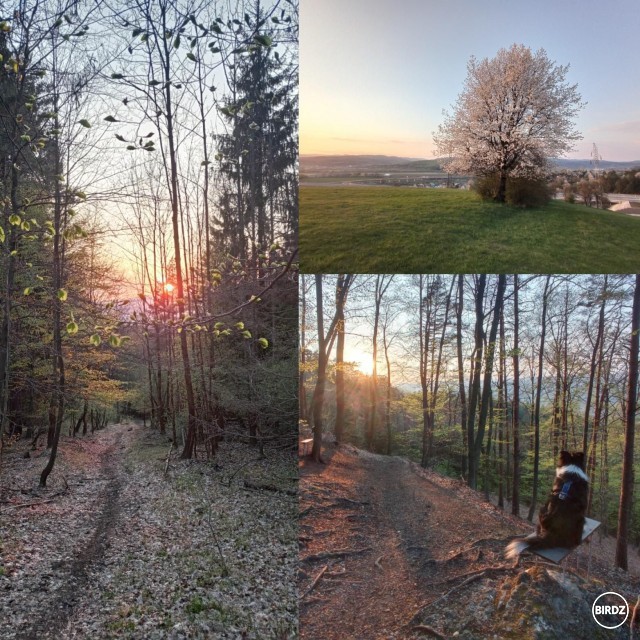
(315, 582)
(423, 628)
(341, 553)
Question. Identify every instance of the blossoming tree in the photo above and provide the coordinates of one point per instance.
(515, 111)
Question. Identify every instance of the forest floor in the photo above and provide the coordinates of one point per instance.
(390, 550)
(115, 547)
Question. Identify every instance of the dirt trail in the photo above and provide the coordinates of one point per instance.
(122, 545)
(408, 537)
(108, 471)
(74, 529)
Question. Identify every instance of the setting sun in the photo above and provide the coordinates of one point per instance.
(361, 360)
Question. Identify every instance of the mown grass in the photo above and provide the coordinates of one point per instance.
(401, 230)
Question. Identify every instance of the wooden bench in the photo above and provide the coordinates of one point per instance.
(558, 554)
(307, 443)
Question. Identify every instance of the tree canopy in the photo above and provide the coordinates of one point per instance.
(515, 111)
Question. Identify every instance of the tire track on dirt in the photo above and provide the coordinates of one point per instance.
(52, 622)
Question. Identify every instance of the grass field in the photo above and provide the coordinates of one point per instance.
(400, 230)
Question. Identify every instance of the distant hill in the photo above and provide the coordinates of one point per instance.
(569, 163)
(351, 163)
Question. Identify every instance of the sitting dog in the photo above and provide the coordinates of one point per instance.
(561, 519)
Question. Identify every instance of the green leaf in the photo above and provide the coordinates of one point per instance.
(117, 76)
(136, 32)
(110, 119)
(176, 43)
(239, 325)
(154, 83)
(246, 334)
(15, 219)
(263, 342)
(131, 147)
(62, 294)
(85, 123)
(114, 340)
(265, 41)
(218, 325)
(27, 291)
(95, 340)
(2, 236)
(72, 328)
(119, 137)
(191, 57)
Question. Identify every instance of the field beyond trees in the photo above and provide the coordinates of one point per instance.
(387, 230)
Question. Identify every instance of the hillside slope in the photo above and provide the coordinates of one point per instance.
(390, 550)
(404, 230)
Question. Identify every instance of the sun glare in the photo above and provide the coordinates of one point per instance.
(362, 361)
(168, 287)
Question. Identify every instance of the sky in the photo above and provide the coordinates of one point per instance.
(375, 75)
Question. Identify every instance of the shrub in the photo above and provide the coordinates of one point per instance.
(528, 192)
(521, 192)
(569, 193)
(486, 186)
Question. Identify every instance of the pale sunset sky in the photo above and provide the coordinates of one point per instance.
(376, 74)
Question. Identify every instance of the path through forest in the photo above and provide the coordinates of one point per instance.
(114, 547)
(383, 540)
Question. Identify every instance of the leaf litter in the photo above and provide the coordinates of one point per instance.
(124, 550)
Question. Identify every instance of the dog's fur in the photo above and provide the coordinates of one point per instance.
(561, 520)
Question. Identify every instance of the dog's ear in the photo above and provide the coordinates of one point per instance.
(565, 458)
(578, 459)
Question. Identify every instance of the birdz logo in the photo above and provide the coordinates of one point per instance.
(610, 610)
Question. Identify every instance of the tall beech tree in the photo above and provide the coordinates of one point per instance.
(626, 489)
(343, 285)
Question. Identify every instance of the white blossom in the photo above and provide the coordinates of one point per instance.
(515, 111)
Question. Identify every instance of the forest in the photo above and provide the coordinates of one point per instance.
(480, 377)
(148, 275)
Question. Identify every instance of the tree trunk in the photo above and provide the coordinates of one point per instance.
(340, 400)
(536, 412)
(302, 392)
(461, 385)
(318, 394)
(626, 489)
(190, 439)
(515, 500)
(56, 407)
(476, 370)
(387, 412)
(592, 371)
(502, 187)
(488, 371)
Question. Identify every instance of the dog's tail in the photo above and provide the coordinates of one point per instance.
(517, 546)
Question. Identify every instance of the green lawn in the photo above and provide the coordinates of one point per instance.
(401, 230)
